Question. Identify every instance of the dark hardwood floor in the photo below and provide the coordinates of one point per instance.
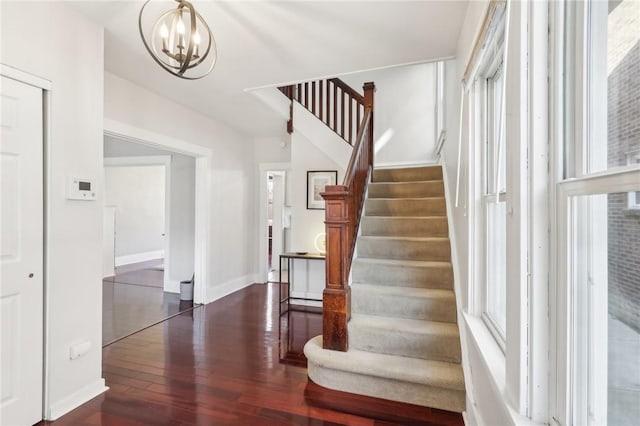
(216, 364)
(134, 299)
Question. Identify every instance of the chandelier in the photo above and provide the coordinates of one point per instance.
(179, 40)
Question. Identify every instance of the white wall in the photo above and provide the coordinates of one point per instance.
(404, 105)
(182, 220)
(231, 176)
(272, 150)
(307, 224)
(137, 192)
(55, 43)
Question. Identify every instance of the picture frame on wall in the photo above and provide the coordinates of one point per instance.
(316, 181)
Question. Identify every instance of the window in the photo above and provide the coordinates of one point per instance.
(494, 202)
(597, 282)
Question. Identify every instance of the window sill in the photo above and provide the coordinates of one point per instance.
(493, 360)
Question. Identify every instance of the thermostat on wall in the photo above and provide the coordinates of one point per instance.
(81, 189)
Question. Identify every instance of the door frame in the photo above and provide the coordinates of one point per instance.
(154, 160)
(264, 168)
(46, 87)
(203, 157)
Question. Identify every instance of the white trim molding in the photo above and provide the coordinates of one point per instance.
(76, 399)
(139, 257)
(203, 157)
(24, 77)
(231, 286)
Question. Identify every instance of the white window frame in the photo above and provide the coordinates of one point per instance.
(633, 160)
(489, 65)
(491, 194)
(520, 371)
(577, 339)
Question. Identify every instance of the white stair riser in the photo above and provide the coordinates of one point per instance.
(406, 189)
(405, 207)
(404, 227)
(378, 387)
(404, 343)
(437, 309)
(436, 250)
(406, 276)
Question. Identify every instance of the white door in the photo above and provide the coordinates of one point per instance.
(21, 253)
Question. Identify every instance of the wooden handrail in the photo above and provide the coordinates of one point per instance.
(343, 209)
(326, 100)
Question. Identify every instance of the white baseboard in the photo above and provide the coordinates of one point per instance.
(220, 290)
(139, 257)
(469, 415)
(76, 399)
(393, 164)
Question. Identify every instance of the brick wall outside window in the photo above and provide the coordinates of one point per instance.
(623, 139)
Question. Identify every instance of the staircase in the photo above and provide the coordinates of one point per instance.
(404, 343)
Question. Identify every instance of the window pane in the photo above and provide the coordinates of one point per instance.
(615, 70)
(607, 299)
(496, 264)
(496, 158)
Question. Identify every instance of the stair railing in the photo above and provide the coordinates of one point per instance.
(332, 101)
(343, 208)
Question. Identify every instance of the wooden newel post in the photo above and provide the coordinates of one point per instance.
(336, 297)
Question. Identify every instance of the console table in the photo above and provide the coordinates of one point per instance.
(289, 257)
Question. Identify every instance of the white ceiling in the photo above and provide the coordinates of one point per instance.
(263, 43)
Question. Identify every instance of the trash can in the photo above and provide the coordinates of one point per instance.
(186, 289)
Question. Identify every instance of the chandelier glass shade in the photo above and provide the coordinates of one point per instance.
(178, 39)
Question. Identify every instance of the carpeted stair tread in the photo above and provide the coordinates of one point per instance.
(404, 263)
(440, 374)
(425, 206)
(415, 292)
(407, 174)
(410, 248)
(404, 324)
(404, 273)
(430, 188)
(386, 238)
(434, 340)
(419, 226)
(404, 302)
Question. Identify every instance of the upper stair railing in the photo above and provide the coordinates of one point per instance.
(332, 101)
(343, 208)
(348, 114)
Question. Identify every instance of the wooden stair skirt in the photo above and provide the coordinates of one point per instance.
(403, 339)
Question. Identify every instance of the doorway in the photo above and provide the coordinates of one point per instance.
(149, 236)
(275, 218)
(277, 221)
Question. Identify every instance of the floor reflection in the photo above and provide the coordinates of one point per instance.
(297, 326)
(134, 299)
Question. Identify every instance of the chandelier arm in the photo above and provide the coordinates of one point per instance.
(192, 15)
(167, 68)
